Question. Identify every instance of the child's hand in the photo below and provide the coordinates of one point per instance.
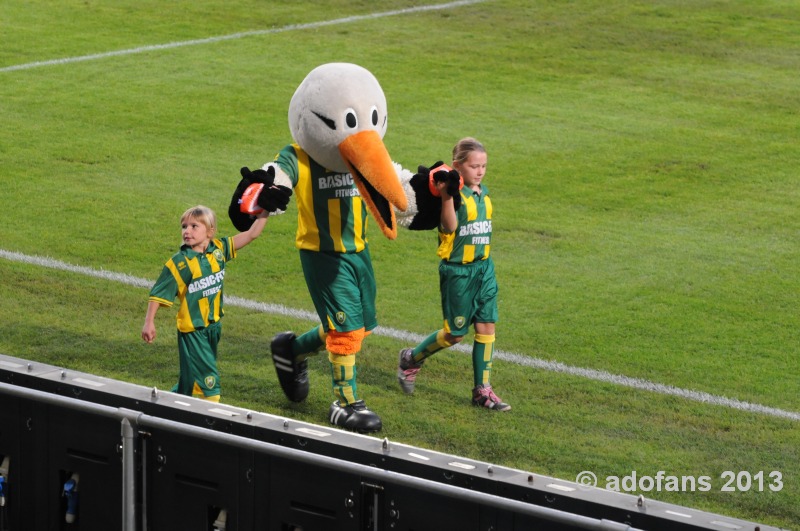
(450, 183)
(442, 188)
(149, 332)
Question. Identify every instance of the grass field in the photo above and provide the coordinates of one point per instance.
(643, 163)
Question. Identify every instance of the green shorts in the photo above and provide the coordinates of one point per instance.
(469, 294)
(342, 286)
(198, 361)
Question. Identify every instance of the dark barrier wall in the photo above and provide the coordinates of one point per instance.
(195, 465)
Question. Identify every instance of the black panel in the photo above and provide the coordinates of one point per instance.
(277, 474)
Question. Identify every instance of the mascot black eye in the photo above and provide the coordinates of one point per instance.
(327, 121)
(374, 116)
(350, 118)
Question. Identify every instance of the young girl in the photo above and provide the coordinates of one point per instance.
(194, 275)
(466, 278)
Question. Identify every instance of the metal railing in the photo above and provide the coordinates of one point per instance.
(132, 421)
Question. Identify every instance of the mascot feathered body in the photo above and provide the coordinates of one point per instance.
(340, 171)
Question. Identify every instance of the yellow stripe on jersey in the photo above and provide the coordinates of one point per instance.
(212, 260)
(472, 215)
(469, 254)
(194, 267)
(307, 236)
(472, 208)
(488, 248)
(184, 318)
(204, 309)
(219, 244)
(218, 307)
(335, 224)
(358, 214)
(215, 268)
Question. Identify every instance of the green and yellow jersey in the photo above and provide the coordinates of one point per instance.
(330, 213)
(471, 241)
(196, 280)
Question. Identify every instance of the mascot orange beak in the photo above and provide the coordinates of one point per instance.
(376, 178)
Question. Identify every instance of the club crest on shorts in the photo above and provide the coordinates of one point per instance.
(459, 321)
(340, 317)
(210, 381)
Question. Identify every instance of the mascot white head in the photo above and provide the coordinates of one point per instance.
(338, 116)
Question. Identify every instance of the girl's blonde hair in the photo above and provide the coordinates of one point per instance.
(204, 215)
(464, 147)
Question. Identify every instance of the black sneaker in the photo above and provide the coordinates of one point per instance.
(355, 417)
(292, 374)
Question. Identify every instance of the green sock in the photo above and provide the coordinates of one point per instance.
(309, 344)
(482, 352)
(430, 346)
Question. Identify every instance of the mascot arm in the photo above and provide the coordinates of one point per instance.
(268, 195)
(424, 208)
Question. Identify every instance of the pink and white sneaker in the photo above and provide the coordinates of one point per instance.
(483, 396)
(407, 370)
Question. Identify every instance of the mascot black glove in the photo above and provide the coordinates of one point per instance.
(267, 177)
(429, 207)
(241, 220)
(426, 172)
(274, 198)
(454, 183)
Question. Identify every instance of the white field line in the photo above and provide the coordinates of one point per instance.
(411, 338)
(241, 35)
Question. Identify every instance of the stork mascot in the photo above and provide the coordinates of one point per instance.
(339, 170)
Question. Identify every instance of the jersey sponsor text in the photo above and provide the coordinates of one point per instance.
(347, 192)
(477, 227)
(206, 282)
(335, 181)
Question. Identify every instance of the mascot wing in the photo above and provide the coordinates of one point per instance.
(424, 207)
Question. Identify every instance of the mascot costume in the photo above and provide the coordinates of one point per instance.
(340, 171)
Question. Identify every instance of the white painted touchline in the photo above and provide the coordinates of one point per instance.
(409, 337)
(241, 35)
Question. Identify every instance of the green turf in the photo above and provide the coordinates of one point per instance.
(642, 159)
